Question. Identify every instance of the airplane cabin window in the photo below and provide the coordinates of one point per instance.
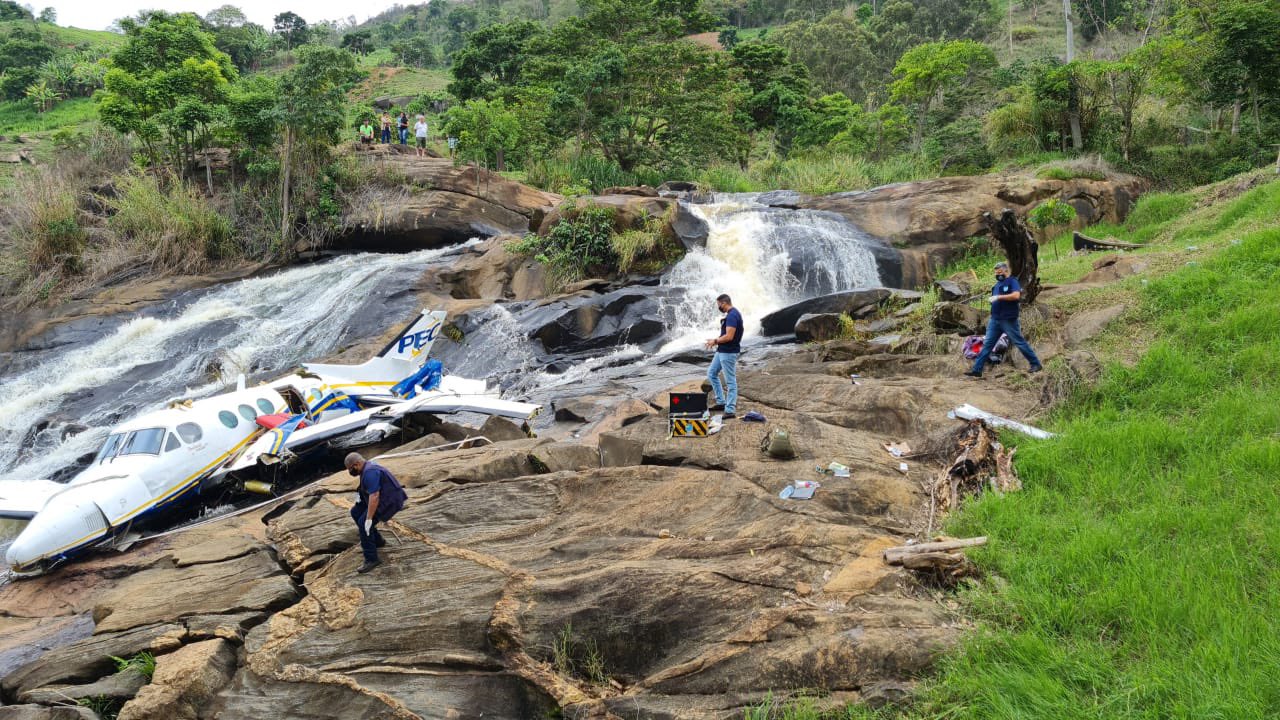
(227, 418)
(143, 442)
(190, 432)
(265, 406)
(109, 447)
(247, 412)
(172, 444)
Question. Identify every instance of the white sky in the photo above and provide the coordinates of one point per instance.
(98, 14)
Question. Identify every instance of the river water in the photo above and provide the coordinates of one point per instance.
(59, 404)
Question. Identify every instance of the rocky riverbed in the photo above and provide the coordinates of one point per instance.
(600, 570)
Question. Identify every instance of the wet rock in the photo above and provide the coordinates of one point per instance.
(401, 221)
(789, 199)
(41, 712)
(689, 228)
(959, 318)
(819, 327)
(184, 681)
(589, 322)
(950, 290)
(782, 322)
(120, 686)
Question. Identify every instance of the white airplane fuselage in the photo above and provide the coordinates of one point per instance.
(149, 463)
(145, 465)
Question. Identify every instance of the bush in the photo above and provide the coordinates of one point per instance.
(42, 235)
(580, 243)
(649, 249)
(568, 174)
(173, 225)
(1090, 167)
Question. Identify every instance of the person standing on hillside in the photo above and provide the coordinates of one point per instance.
(420, 135)
(381, 497)
(1005, 297)
(404, 128)
(727, 347)
(386, 129)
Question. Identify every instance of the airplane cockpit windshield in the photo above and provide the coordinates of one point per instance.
(109, 447)
(138, 442)
(143, 442)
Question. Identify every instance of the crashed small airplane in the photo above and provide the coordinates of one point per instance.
(150, 464)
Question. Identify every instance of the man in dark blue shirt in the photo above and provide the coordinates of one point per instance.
(727, 347)
(1005, 297)
(381, 496)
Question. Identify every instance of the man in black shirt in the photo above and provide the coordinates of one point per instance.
(727, 347)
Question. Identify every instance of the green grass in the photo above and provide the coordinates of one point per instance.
(21, 117)
(1135, 577)
(67, 36)
(815, 174)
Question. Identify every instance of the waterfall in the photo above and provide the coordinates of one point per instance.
(765, 259)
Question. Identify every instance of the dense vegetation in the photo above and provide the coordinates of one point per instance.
(815, 95)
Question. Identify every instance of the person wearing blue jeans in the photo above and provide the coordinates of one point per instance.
(1005, 297)
(727, 346)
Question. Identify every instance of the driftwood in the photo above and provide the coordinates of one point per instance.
(1080, 241)
(902, 554)
(1020, 247)
(983, 462)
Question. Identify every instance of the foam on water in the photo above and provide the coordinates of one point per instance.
(765, 259)
(261, 325)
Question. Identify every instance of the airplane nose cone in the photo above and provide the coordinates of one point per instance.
(19, 554)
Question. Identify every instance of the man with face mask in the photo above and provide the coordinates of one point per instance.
(727, 347)
(1005, 297)
(381, 497)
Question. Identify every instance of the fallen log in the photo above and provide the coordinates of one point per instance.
(898, 555)
(1080, 241)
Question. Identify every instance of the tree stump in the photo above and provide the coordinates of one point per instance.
(1021, 249)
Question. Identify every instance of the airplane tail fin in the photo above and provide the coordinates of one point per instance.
(402, 357)
(414, 342)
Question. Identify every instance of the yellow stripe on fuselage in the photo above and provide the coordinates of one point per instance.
(184, 486)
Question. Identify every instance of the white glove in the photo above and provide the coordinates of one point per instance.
(368, 525)
(995, 299)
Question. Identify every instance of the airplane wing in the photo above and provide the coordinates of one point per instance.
(22, 499)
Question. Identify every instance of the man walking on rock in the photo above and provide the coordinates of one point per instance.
(381, 497)
(727, 347)
(1005, 297)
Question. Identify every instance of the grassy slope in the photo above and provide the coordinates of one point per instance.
(1135, 577)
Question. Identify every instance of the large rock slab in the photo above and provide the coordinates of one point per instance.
(250, 582)
(783, 322)
(88, 660)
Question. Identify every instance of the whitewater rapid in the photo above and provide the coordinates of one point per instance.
(258, 327)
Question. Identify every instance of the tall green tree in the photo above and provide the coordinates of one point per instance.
(492, 58)
(291, 29)
(839, 52)
(312, 110)
(168, 84)
(924, 70)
